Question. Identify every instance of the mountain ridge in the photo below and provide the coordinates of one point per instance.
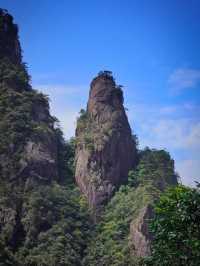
(44, 219)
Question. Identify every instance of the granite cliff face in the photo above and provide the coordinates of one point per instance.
(106, 149)
(28, 140)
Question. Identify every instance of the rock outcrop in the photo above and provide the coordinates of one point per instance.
(154, 182)
(29, 149)
(9, 43)
(105, 147)
(140, 236)
(122, 236)
(28, 139)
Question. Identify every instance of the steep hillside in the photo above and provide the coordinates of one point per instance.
(38, 215)
(28, 136)
(122, 237)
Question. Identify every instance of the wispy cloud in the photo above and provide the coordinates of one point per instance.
(65, 103)
(176, 133)
(64, 90)
(175, 128)
(167, 110)
(184, 78)
(68, 120)
(189, 169)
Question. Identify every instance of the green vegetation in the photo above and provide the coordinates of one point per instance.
(65, 157)
(14, 75)
(82, 120)
(47, 223)
(54, 227)
(176, 228)
(156, 167)
(19, 117)
(44, 224)
(110, 244)
(84, 127)
(105, 73)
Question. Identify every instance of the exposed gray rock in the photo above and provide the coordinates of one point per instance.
(105, 150)
(7, 219)
(39, 162)
(140, 237)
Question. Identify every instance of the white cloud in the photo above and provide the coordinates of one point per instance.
(65, 103)
(175, 128)
(184, 78)
(167, 110)
(160, 127)
(68, 121)
(61, 90)
(189, 171)
(178, 137)
(177, 133)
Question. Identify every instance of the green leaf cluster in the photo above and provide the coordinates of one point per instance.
(46, 224)
(110, 243)
(176, 228)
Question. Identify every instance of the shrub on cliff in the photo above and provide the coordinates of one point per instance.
(176, 228)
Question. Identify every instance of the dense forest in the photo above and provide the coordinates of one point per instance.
(50, 215)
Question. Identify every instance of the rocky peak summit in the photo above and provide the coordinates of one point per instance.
(104, 90)
(9, 43)
(105, 150)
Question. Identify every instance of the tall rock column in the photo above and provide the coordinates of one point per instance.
(105, 150)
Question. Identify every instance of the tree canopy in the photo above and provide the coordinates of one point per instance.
(176, 228)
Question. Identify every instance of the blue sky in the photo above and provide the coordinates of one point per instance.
(152, 47)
